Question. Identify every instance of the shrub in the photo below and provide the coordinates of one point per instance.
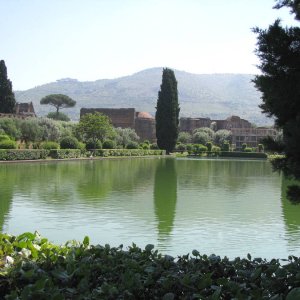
(209, 146)
(127, 152)
(199, 148)
(244, 154)
(90, 144)
(244, 146)
(201, 137)
(11, 127)
(260, 148)
(189, 148)
(109, 144)
(215, 149)
(8, 144)
(69, 142)
(58, 116)
(145, 146)
(154, 146)
(184, 137)
(132, 145)
(81, 146)
(65, 153)
(226, 146)
(222, 136)
(49, 145)
(4, 137)
(49, 271)
(180, 147)
(24, 154)
(247, 149)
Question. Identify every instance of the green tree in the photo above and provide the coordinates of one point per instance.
(7, 97)
(184, 137)
(95, 127)
(59, 101)
(58, 116)
(294, 5)
(31, 131)
(222, 136)
(167, 112)
(278, 49)
(201, 137)
(125, 136)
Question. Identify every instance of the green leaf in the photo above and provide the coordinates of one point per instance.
(86, 241)
(294, 294)
(256, 273)
(168, 296)
(149, 247)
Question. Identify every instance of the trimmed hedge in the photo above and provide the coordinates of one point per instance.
(65, 153)
(32, 154)
(126, 152)
(33, 268)
(23, 154)
(243, 154)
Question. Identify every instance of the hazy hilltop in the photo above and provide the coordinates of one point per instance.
(200, 95)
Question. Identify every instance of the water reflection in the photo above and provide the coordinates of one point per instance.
(222, 206)
(6, 194)
(291, 215)
(165, 196)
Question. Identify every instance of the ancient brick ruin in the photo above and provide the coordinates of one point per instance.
(142, 122)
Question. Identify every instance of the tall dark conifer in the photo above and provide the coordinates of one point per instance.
(278, 49)
(7, 97)
(167, 112)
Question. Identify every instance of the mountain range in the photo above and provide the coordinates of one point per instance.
(217, 96)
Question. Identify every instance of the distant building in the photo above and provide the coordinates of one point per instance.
(142, 122)
(251, 136)
(25, 109)
(241, 129)
(22, 111)
(144, 125)
(190, 124)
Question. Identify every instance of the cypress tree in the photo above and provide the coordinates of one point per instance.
(167, 112)
(7, 97)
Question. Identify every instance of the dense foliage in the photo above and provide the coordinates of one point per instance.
(278, 49)
(58, 116)
(69, 142)
(59, 101)
(7, 97)
(167, 112)
(33, 268)
(96, 127)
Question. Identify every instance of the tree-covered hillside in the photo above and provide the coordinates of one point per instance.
(209, 95)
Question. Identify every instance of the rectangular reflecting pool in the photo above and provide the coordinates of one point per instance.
(225, 207)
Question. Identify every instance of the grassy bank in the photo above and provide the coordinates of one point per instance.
(33, 268)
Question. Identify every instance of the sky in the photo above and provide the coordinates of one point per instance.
(46, 40)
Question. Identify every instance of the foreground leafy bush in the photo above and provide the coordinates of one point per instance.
(24, 154)
(34, 268)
